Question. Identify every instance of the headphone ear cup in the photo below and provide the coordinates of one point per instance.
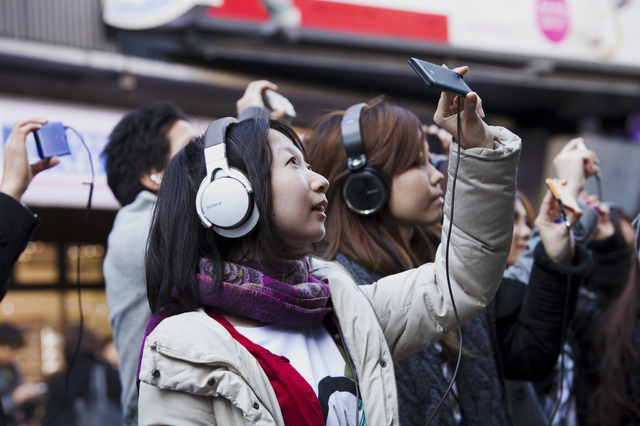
(226, 204)
(365, 192)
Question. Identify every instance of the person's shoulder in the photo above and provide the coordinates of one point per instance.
(143, 203)
(183, 334)
(188, 324)
(326, 269)
(136, 216)
(319, 263)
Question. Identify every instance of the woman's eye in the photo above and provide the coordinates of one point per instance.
(292, 160)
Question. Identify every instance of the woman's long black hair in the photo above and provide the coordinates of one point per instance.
(178, 239)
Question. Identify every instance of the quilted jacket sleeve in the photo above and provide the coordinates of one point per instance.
(415, 307)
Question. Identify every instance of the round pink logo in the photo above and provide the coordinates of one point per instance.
(553, 19)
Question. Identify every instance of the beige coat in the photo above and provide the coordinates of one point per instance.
(194, 372)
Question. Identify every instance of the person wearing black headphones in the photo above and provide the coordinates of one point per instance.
(248, 327)
(384, 204)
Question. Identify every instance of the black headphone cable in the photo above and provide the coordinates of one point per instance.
(80, 239)
(453, 303)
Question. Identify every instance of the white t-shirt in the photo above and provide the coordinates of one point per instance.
(315, 355)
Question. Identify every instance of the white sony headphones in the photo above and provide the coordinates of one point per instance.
(225, 198)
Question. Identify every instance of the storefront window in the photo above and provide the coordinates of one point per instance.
(91, 257)
(38, 264)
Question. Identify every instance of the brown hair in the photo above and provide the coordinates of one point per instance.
(611, 402)
(393, 143)
(530, 216)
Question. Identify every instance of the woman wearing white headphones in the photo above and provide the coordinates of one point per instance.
(249, 328)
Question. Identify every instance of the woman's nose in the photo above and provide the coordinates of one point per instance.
(320, 183)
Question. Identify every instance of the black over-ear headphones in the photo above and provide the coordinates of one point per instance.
(225, 198)
(365, 189)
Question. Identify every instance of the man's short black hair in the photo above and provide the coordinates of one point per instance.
(138, 144)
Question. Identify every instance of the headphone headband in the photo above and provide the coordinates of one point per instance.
(215, 149)
(217, 131)
(352, 137)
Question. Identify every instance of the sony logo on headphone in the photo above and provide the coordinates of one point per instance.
(213, 205)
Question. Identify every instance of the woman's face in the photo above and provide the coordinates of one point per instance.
(416, 196)
(521, 233)
(298, 194)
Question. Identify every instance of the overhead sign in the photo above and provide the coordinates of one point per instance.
(144, 14)
(601, 31)
(420, 20)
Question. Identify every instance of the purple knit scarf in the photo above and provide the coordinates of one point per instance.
(281, 292)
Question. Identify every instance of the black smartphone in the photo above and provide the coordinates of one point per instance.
(440, 78)
(51, 140)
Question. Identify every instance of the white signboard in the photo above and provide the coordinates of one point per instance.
(585, 30)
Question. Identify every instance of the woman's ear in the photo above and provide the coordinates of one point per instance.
(151, 180)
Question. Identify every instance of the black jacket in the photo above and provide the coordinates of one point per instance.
(608, 278)
(16, 226)
(518, 336)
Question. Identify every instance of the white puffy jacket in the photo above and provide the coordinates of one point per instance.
(193, 372)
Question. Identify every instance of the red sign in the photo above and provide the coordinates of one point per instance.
(347, 18)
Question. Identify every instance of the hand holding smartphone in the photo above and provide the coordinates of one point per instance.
(440, 78)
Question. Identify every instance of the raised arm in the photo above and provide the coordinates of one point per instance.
(17, 222)
(531, 316)
(415, 307)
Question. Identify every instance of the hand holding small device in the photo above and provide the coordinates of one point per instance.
(458, 105)
(557, 212)
(565, 201)
(440, 78)
(575, 163)
(17, 172)
(253, 95)
(276, 103)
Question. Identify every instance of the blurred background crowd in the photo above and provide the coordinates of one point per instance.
(549, 70)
